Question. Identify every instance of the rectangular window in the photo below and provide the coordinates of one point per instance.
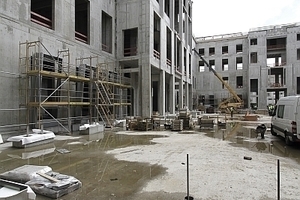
(239, 63)
(253, 41)
(106, 32)
(201, 52)
(212, 63)
(239, 82)
(225, 79)
(224, 64)
(253, 57)
(211, 51)
(225, 50)
(82, 20)
(201, 66)
(130, 42)
(298, 54)
(167, 7)
(298, 36)
(254, 85)
(239, 48)
(280, 112)
(298, 85)
(42, 12)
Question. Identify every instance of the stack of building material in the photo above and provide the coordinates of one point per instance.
(205, 122)
(144, 125)
(185, 116)
(42, 180)
(177, 125)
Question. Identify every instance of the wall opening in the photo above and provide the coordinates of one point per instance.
(239, 63)
(130, 42)
(42, 12)
(224, 64)
(156, 35)
(106, 32)
(169, 47)
(239, 82)
(82, 20)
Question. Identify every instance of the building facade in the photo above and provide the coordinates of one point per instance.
(66, 62)
(261, 65)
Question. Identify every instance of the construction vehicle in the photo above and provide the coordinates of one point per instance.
(232, 103)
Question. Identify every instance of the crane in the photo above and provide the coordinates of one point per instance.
(233, 102)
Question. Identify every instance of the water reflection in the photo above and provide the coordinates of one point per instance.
(242, 134)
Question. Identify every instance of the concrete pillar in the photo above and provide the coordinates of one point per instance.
(172, 94)
(145, 89)
(162, 93)
(180, 94)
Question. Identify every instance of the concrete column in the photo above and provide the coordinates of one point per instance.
(172, 94)
(145, 102)
(162, 93)
(180, 94)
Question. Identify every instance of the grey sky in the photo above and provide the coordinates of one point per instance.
(215, 17)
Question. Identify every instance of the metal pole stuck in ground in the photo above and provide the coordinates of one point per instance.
(187, 177)
(278, 179)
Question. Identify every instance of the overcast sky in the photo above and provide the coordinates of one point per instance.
(214, 17)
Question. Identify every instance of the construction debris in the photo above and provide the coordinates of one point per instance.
(42, 180)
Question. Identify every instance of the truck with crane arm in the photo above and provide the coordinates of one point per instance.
(234, 102)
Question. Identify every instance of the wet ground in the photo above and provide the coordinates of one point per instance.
(104, 177)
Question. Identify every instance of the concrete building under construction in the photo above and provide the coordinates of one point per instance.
(64, 63)
(261, 65)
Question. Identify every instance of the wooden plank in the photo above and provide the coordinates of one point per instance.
(48, 177)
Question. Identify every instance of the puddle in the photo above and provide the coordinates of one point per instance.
(243, 135)
(102, 176)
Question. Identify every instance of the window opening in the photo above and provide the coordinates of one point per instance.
(81, 20)
(239, 63)
(130, 42)
(106, 32)
(201, 51)
(239, 48)
(224, 64)
(42, 12)
(253, 41)
(225, 79)
(239, 82)
(211, 51)
(225, 50)
(253, 57)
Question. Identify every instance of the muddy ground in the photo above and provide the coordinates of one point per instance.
(152, 165)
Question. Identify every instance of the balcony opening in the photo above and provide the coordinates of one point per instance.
(156, 31)
(276, 77)
(225, 50)
(239, 63)
(106, 32)
(276, 44)
(130, 42)
(82, 20)
(42, 12)
(239, 82)
(298, 54)
(178, 56)
(169, 47)
(184, 60)
(239, 48)
(275, 60)
(224, 64)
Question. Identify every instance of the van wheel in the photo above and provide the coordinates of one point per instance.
(272, 131)
(287, 140)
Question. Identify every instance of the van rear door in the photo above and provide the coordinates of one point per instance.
(297, 116)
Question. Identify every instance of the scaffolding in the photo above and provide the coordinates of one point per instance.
(57, 94)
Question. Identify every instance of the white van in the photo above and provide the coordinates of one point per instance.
(286, 119)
